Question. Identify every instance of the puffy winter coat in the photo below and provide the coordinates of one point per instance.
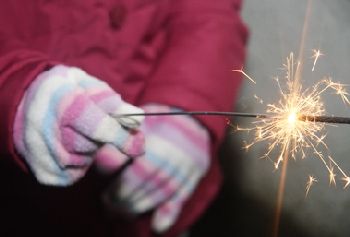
(175, 52)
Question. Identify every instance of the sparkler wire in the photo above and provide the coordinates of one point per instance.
(306, 118)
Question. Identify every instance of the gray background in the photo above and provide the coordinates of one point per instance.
(276, 27)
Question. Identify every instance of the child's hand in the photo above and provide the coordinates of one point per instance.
(176, 158)
(64, 119)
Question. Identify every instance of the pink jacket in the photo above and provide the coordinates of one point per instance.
(175, 52)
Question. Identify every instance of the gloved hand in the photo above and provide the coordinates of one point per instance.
(65, 119)
(176, 157)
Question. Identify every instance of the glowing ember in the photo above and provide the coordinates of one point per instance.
(292, 118)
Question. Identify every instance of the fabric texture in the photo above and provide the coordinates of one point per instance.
(65, 119)
(178, 53)
(176, 157)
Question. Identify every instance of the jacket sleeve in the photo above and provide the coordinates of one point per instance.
(19, 65)
(205, 42)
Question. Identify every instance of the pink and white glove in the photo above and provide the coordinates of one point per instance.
(176, 157)
(65, 120)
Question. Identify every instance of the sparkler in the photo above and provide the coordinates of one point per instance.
(289, 128)
(295, 124)
(308, 118)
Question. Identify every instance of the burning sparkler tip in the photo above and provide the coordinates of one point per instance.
(295, 124)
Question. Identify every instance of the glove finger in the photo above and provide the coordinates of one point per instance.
(155, 189)
(172, 175)
(166, 215)
(186, 134)
(98, 91)
(128, 122)
(135, 178)
(174, 167)
(64, 170)
(77, 168)
(74, 142)
(113, 105)
(91, 121)
(146, 173)
(108, 159)
(107, 99)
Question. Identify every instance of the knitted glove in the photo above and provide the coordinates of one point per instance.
(176, 157)
(65, 119)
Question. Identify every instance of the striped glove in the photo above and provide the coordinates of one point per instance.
(176, 157)
(65, 120)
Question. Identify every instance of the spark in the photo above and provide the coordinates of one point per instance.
(315, 56)
(291, 134)
(332, 177)
(347, 181)
(340, 90)
(260, 101)
(245, 74)
(309, 183)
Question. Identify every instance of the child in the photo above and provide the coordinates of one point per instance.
(67, 68)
